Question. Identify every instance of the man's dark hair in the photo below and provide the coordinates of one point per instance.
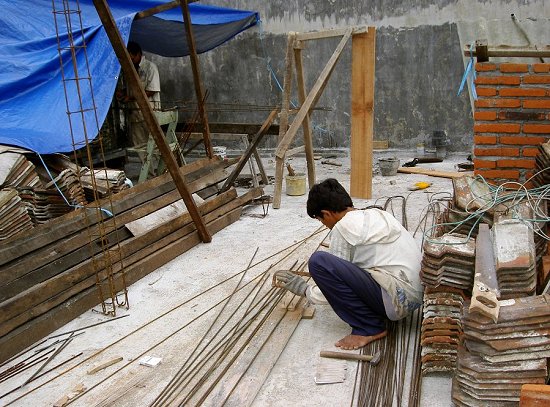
(327, 195)
(134, 48)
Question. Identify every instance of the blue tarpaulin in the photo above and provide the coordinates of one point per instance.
(37, 97)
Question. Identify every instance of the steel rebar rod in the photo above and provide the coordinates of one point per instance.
(53, 355)
(25, 362)
(237, 354)
(161, 396)
(293, 247)
(89, 326)
(188, 370)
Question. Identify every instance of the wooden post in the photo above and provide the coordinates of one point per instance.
(141, 98)
(308, 140)
(196, 77)
(362, 106)
(283, 121)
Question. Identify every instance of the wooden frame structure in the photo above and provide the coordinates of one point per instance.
(362, 105)
(134, 82)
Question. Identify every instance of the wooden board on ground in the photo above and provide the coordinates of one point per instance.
(41, 326)
(432, 173)
(380, 144)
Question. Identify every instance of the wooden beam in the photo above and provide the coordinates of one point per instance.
(507, 51)
(199, 92)
(337, 32)
(135, 84)
(308, 139)
(251, 148)
(362, 112)
(159, 9)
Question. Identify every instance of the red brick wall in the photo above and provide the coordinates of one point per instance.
(511, 118)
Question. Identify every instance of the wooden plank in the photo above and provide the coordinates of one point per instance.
(306, 128)
(295, 150)
(41, 326)
(261, 168)
(337, 32)
(104, 365)
(256, 374)
(70, 223)
(44, 296)
(51, 254)
(159, 9)
(362, 110)
(432, 173)
(36, 276)
(380, 144)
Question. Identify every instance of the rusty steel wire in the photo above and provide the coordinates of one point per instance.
(68, 24)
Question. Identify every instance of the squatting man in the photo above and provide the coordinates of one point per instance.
(371, 272)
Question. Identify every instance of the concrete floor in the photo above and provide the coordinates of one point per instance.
(207, 265)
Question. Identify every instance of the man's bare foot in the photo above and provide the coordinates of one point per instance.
(351, 341)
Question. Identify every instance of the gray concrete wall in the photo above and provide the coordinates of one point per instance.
(419, 64)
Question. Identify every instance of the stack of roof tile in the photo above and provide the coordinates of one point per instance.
(14, 217)
(104, 181)
(441, 329)
(448, 260)
(17, 171)
(47, 203)
(499, 357)
(514, 252)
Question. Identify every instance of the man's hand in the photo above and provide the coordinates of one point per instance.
(293, 283)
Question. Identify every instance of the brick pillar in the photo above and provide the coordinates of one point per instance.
(512, 117)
